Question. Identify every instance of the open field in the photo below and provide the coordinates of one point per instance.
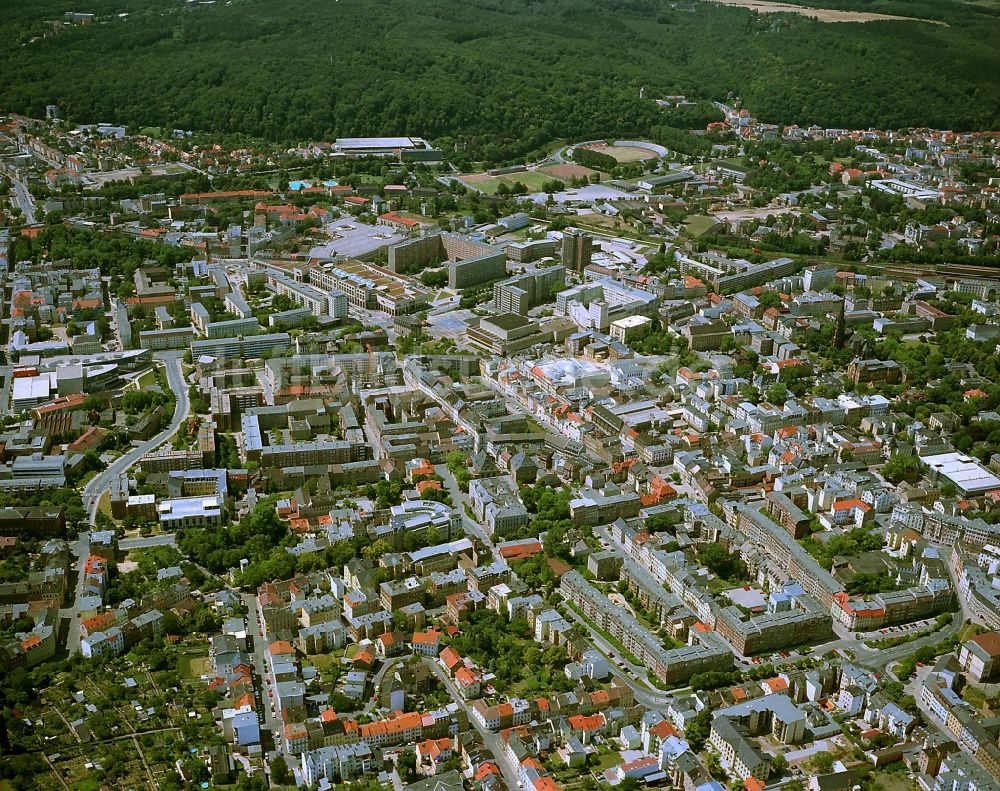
(623, 153)
(567, 170)
(697, 224)
(821, 14)
(409, 215)
(532, 179)
(597, 219)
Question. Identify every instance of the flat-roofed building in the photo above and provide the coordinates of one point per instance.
(376, 146)
(630, 328)
(246, 347)
(322, 302)
(968, 475)
(595, 305)
(577, 248)
(289, 319)
(520, 293)
(371, 287)
(307, 453)
(470, 262)
(233, 328)
(509, 333)
(31, 391)
(530, 250)
(190, 512)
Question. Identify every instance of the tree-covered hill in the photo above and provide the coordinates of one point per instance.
(498, 77)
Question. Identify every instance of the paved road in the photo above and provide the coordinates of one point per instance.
(636, 677)
(81, 549)
(99, 484)
(268, 720)
(24, 200)
(882, 659)
(265, 385)
(167, 539)
(376, 682)
(460, 499)
(491, 740)
(5, 387)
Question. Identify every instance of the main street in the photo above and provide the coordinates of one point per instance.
(99, 484)
(268, 719)
(24, 200)
(144, 542)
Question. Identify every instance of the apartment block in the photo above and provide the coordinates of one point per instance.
(677, 665)
(522, 292)
(530, 250)
(245, 347)
(577, 249)
(162, 340)
(496, 504)
(470, 262)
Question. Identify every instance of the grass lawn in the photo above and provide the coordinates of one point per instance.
(533, 180)
(932, 347)
(6, 786)
(601, 221)
(146, 379)
(698, 224)
(601, 224)
(973, 696)
(968, 632)
(193, 667)
(526, 684)
(323, 661)
(890, 781)
(409, 215)
(608, 760)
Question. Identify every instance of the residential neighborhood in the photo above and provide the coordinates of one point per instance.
(336, 466)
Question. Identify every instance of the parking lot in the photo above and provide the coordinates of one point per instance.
(353, 239)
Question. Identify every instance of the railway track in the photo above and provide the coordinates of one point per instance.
(912, 272)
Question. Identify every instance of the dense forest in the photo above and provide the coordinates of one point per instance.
(498, 79)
